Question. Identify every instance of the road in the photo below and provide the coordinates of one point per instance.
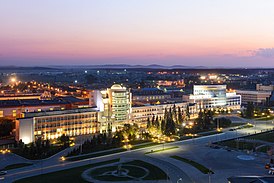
(193, 148)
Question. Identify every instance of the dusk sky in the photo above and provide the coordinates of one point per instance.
(235, 33)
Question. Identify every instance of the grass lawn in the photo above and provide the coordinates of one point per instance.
(236, 124)
(70, 175)
(145, 145)
(95, 155)
(241, 145)
(110, 152)
(18, 165)
(267, 136)
(211, 133)
(200, 167)
(265, 118)
(160, 150)
(155, 173)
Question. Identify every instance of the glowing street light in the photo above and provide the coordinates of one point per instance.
(62, 158)
(13, 79)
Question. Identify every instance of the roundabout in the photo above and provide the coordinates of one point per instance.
(130, 171)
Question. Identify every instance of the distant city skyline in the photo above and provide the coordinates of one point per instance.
(212, 33)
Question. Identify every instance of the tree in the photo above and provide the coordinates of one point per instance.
(6, 127)
(148, 123)
(174, 114)
(187, 112)
(163, 126)
(64, 140)
(157, 124)
(223, 122)
(208, 116)
(170, 124)
(180, 116)
(200, 120)
(153, 120)
(249, 113)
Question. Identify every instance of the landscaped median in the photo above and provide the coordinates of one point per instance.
(260, 142)
(160, 150)
(200, 167)
(103, 153)
(77, 158)
(139, 146)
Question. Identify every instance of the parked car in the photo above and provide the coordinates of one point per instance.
(3, 172)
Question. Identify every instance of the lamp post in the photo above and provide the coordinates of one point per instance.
(209, 176)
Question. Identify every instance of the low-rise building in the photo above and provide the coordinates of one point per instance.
(260, 87)
(149, 95)
(52, 124)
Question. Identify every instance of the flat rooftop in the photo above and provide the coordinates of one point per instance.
(59, 112)
(30, 102)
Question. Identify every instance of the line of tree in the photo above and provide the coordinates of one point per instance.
(173, 117)
(249, 111)
(204, 120)
(107, 140)
(37, 150)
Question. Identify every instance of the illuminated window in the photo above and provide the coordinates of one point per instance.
(14, 113)
(1, 114)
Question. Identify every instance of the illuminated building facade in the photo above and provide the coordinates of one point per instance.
(149, 95)
(114, 105)
(214, 96)
(113, 109)
(142, 113)
(256, 97)
(52, 124)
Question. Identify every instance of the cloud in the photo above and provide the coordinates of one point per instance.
(262, 52)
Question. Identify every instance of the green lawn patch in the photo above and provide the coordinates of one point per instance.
(265, 118)
(160, 150)
(69, 175)
(200, 167)
(211, 133)
(236, 124)
(109, 152)
(18, 165)
(145, 145)
(267, 136)
(95, 155)
(155, 173)
(239, 145)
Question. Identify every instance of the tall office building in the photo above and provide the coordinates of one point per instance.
(114, 105)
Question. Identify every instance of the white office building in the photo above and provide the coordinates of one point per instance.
(214, 96)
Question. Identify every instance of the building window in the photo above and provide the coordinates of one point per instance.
(14, 113)
(1, 114)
